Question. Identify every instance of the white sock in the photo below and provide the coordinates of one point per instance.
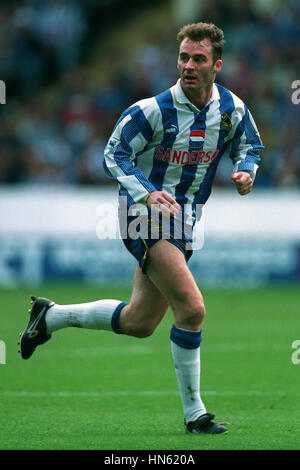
(94, 315)
(187, 367)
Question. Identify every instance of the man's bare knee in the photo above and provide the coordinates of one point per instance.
(196, 313)
(191, 316)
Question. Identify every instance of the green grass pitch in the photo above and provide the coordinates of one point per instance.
(87, 389)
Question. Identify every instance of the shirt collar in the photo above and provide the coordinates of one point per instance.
(181, 98)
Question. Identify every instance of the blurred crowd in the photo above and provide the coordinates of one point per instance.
(58, 136)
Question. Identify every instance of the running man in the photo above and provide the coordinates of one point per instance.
(164, 152)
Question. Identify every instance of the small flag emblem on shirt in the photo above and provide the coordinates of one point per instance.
(197, 136)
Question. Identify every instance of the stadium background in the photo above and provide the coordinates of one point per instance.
(61, 106)
(70, 69)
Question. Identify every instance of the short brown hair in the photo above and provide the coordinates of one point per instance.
(199, 31)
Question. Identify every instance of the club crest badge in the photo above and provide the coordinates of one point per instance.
(226, 123)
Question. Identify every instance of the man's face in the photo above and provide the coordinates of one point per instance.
(196, 66)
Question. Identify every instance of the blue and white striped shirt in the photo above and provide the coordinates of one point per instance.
(167, 143)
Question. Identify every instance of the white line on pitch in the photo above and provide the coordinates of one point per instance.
(25, 393)
(139, 350)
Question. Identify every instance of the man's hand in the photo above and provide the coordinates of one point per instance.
(163, 203)
(243, 182)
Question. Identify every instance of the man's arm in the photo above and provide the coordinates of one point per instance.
(130, 136)
(245, 149)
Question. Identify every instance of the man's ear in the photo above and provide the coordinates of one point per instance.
(218, 65)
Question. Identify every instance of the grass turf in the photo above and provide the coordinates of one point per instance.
(89, 389)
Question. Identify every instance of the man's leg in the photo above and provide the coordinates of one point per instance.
(168, 270)
(140, 317)
(146, 308)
